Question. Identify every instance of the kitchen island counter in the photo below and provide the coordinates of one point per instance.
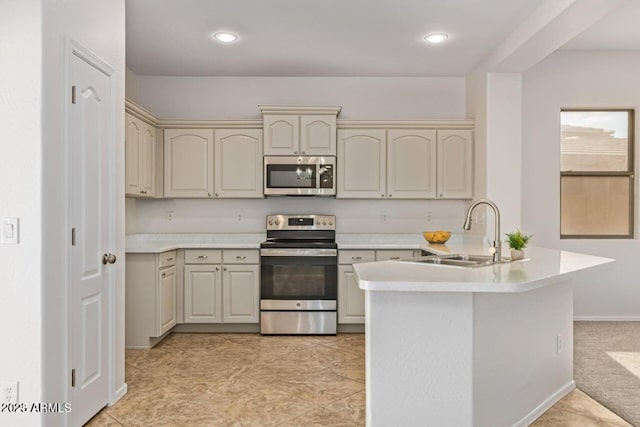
(483, 347)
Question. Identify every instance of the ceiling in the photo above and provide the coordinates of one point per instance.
(337, 37)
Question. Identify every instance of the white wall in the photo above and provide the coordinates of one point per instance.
(393, 98)
(238, 98)
(353, 216)
(33, 298)
(578, 79)
(20, 195)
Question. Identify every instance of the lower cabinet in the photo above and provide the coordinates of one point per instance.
(221, 286)
(350, 297)
(150, 297)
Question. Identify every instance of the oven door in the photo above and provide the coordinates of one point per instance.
(298, 279)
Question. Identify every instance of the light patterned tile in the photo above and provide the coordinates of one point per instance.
(321, 387)
(102, 419)
(352, 408)
(321, 417)
(558, 418)
(577, 402)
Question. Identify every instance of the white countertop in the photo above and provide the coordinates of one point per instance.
(156, 243)
(541, 267)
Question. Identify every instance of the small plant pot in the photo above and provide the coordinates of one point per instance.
(517, 254)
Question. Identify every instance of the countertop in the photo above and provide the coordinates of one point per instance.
(161, 242)
(541, 267)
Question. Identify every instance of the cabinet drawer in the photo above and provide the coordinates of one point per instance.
(354, 257)
(202, 256)
(393, 254)
(167, 259)
(240, 256)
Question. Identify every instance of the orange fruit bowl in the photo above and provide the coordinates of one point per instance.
(436, 237)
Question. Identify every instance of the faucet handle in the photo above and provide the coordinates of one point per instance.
(492, 250)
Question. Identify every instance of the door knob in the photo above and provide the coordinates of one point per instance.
(108, 259)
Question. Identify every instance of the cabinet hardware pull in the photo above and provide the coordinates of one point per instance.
(357, 258)
(164, 274)
(209, 194)
(395, 257)
(217, 268)
(170, 259)
(241, 257)
(295, 152)
(202, 257)
(303, 152)
(390, 195)
(225, 268)
(382, 195)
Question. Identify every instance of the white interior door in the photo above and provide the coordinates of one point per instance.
(91, 215)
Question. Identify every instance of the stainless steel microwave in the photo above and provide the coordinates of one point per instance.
(299, 176)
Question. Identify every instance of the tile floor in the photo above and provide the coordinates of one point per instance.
(253, 380)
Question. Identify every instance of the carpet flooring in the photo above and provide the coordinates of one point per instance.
(607, 365)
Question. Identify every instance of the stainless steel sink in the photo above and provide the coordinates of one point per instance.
(456, 260)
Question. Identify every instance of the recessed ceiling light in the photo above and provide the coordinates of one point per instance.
(436, 37)
(225, 37)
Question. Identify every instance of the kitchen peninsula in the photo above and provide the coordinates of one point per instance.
(484, 346)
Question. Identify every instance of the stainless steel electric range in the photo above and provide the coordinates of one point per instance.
(299, 275)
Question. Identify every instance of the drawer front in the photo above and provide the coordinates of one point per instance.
(354, 257)
(393, 254)
(167, 259)
(240, 256)
(202, 256)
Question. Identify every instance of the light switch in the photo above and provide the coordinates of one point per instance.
(9, 232)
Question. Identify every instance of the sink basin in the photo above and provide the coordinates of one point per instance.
(456, 260)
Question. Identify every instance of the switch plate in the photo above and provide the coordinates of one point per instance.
(559, 344)
(9, 230)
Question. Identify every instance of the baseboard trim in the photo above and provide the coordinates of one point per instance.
(119, 394)
(546, 404)
(606, 318)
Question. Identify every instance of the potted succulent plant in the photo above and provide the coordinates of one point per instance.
(517, 242)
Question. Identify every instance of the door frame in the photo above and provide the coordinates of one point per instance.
(75, 48)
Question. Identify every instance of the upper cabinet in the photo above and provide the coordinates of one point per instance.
(188, 163)
(299, 131)
(140, 158)
(238, 163)
(455, 164)
(404, 163)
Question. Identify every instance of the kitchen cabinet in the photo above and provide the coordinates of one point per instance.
(150, 297)
(238, 163)
(221, 286)
(404, 163)
(188, 163)
(455, 164)
(350, 296)
(140, 158)
(310, 131)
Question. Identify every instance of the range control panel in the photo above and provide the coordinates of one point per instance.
(301, 222)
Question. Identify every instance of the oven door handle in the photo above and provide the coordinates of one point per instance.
(298, 252)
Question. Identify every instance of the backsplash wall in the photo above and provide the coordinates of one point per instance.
(248, 216)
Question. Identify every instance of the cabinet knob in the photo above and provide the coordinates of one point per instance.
(170, 259)
(164, 274)
(217, 268)
(241, 257)
(440, 194)
(356, 258)
(108, 259)
(209, 194)
(295, 152)
(303, 152)
(225, 268)
(382, 195)
(216, 194)
(390, 195)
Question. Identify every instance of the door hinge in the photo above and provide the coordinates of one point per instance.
(73, 236)
(73, 94)
(73, 377)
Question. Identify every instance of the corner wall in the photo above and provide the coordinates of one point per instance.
(578, 79)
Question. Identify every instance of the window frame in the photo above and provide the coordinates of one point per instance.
(629, 173)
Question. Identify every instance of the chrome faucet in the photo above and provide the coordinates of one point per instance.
(497, 246)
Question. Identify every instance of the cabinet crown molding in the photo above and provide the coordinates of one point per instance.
(299, 109)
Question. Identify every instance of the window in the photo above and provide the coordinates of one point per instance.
(596, 174)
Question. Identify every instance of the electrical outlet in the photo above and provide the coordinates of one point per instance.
(383, 217)
(170, 216)
(429, 216)
(559, 344)
(9, 391)
(240, 216)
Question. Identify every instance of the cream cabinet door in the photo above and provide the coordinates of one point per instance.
(132, 141)
(455, 164)
(361, 164)
(350, 297)
(411, 164)
(281, 135)
(318, 135)
(202, 294)
(167, 309)
(147, 161)
(241, 294)
(238, 163)
(188, 163)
